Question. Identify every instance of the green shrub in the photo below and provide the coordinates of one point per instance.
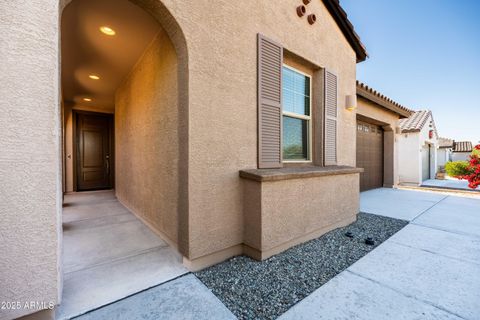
(457, 168)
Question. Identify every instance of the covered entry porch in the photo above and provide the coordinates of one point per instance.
(121, 151)
(109, 254)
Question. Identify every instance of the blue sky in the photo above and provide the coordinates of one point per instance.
(424, 54)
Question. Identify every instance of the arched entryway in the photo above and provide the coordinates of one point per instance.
(125, 138)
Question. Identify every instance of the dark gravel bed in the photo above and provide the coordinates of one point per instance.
(265, 289)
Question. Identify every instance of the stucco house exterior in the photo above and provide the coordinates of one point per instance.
(229, 132)
(377, 149)
(418, 145)
(444, 153)
(461, 150)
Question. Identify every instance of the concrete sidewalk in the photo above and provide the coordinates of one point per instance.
(182, 298)
(428, 270)
(449, 183)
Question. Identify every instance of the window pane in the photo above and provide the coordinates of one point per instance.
(307, 86)
(295, 139)
(296, 92)
(288, 100)
(288, 78)
(300, 83)
(302, 104)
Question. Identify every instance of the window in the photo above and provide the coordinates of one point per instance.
(296, 103)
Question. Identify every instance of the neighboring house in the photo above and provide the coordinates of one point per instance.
(224, 126)
(444, 152)
(377, 152)
(417, 145)
(461, 150)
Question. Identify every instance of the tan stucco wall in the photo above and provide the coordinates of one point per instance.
(223, 100)
(30, 154)
(220, 129)
(389, 121)
(280, 214)
(146, 142)
(372, 110)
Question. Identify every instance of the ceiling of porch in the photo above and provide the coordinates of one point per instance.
(88, 53)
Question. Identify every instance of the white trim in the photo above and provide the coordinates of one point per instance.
(298, 71)
(297, 161)
(296, 115)
(301, 117)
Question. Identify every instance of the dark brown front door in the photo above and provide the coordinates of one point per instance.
(94, 151)
(370, 155)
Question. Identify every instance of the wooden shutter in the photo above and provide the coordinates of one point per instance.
(270, 60)
(331, 123)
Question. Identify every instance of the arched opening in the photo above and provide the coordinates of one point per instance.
(125, 139)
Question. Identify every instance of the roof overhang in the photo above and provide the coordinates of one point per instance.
(410, 130)
(382, 101)
(419, 127)
(340, 17)
(463, 146)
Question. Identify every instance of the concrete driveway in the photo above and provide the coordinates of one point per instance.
(428, 270)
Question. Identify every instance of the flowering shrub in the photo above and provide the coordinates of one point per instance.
(457, 168)
(470, 171)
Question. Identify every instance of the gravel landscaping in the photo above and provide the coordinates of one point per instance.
(266, 289)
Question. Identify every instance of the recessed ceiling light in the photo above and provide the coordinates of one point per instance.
(87, 99)
(94, 77)
(107, 30)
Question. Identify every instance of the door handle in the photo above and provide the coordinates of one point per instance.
(107, 164)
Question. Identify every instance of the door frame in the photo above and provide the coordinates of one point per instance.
(427, 147)
(75, 138)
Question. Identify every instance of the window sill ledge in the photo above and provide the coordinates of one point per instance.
(287, 173)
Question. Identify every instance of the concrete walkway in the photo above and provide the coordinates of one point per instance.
(182, 298)
(428, 270)
(108, 254)
(449, 183)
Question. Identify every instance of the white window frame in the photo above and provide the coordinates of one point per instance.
(302, 117)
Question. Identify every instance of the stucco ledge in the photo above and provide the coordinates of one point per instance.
(287, 173)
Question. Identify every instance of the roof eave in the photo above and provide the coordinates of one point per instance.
(340, 17)
(410, 130)
(378, 100)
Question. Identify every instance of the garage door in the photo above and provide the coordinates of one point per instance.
(425, 163)
(370, 155)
